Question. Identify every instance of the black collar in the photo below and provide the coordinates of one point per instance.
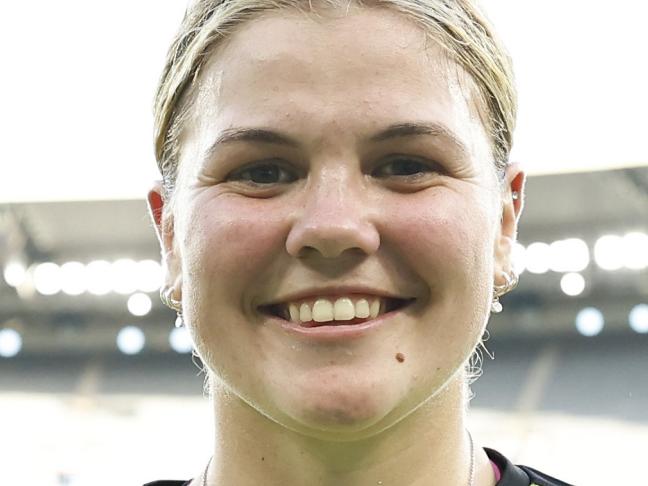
(511, 474)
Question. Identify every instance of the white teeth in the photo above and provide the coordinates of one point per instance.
(362, 308)
(322, 310)
(375, 309)
(294, 312)
(305, 313)
(342, 309)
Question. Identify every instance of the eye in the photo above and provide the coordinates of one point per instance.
(408, 167)
(263, 174)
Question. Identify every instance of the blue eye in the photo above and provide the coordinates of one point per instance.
(407, 167)
(264, 174)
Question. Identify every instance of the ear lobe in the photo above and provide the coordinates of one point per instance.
(515, 180)
(164, 230)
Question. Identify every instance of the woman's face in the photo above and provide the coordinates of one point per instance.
(377, 174)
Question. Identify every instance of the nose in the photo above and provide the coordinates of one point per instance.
(335, 217)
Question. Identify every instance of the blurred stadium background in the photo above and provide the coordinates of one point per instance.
(97, 387)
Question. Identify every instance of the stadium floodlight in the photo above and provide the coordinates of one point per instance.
(180, 340)
(590, 321)
(130, 340)
(99, 277)
(47, 278)
(10, 343)
(149, 275)
(124, 271)
(638, 318)
(572, 284)
(537, 257)
(635, 251)
(73, 278)
(139, 304)
(15, 273)
(570, 255)
(518, 256)
(608, 252)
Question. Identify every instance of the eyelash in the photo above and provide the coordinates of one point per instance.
(432, 167)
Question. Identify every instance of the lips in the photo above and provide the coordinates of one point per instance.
(340, 331)
(387, 305)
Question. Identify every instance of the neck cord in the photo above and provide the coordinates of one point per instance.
(472, 459)
(204, 481)
(470, 480)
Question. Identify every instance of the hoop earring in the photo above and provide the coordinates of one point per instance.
(171, 303)
(499, 290)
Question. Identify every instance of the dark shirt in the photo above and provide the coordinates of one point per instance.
(512, 475)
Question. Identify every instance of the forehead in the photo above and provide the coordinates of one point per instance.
(343, 70)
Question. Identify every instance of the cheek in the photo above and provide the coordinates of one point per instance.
(447, 241)
(225, 245)
(444, 234)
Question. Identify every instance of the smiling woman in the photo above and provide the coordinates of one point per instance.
(336, 219)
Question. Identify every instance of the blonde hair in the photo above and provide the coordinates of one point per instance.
(457, 25)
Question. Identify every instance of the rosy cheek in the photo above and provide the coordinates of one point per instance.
(234, 238)
(424, 229)
(436, 238)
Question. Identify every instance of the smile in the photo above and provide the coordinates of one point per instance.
(347, 309)
(330, 318)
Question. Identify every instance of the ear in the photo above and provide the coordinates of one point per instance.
(164, 230)
(515, 180)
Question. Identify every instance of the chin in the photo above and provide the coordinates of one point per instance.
(338, 404)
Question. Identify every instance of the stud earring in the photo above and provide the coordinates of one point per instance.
(171, 303)
(499, 290)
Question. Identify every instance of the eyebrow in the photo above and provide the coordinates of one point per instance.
(398, 130)
(254, 135)
(257, 135)
(416, 129)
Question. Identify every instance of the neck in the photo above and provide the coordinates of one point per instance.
(429, 447)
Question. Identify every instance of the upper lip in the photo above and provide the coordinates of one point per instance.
(334, 291)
